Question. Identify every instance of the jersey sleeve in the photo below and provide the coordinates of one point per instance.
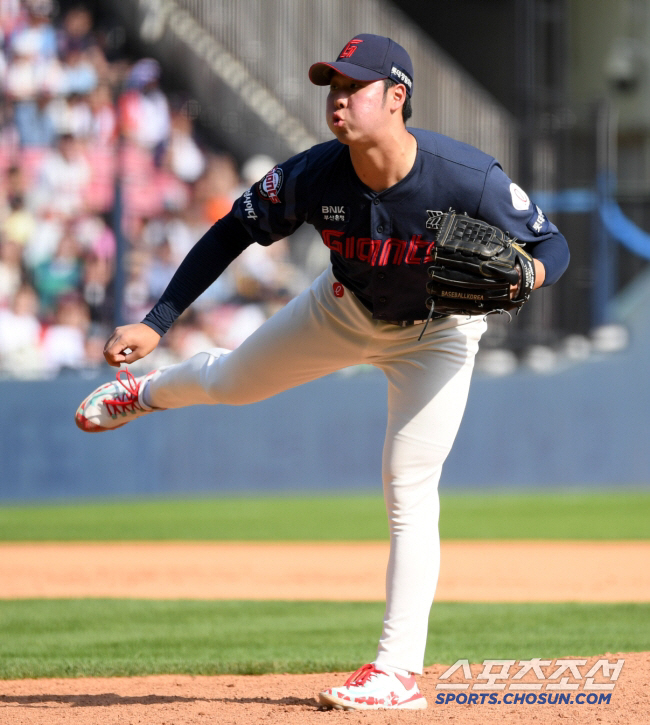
(507, 206)
(276, 206)
(207, 259)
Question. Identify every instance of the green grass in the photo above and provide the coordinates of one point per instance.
(600, 516)
(97, 637)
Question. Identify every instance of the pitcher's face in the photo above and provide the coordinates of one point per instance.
(356, 110)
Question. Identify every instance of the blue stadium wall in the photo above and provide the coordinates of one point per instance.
(584, 426)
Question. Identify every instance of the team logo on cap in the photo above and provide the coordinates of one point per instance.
(271, 184)
(350, 48)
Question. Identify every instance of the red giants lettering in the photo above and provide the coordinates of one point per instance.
(415, 245)
(399, 245)
(367, 250)
(380, 252)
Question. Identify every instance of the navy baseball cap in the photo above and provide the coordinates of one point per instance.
(368, 58)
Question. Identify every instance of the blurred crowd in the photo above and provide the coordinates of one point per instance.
(71, 122)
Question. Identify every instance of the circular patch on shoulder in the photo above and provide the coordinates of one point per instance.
(520, 199)
(271, 184)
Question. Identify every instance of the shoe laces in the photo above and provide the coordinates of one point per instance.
(126, 402)
(362, 675)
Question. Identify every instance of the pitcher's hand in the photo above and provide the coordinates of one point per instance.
(129, 343)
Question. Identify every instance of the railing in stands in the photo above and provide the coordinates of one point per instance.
(265, 48)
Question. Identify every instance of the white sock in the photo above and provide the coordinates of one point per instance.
(145, 394)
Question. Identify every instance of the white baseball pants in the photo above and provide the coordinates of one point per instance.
(428, 381)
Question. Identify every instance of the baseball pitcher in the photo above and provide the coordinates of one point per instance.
(426, 237)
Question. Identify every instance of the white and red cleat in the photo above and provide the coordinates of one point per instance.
(372, 689)
(114, 404)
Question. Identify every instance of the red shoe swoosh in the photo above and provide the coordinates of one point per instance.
(408, 682)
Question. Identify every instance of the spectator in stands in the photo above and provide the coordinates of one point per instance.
(217, 187)
(44, 240)
(71, 115)
(96, 287)
(20, 332)
(79, 74)
(94, 236)
(36, 29)
(31, 80)
(136, 290)
(18, 223)
(64, 342)
(197, 333)
(30, 73)
(169, 227)
(63, 178)
(77, 34)
(184, 157)
(15, 183)
(103, 128)
(59, 275)
(161, 269)
(11, 271)
(34, 121)
(97, 243)
(144, 110)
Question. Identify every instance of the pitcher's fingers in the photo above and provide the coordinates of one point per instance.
(115, 355)
(112, 344)
(130, 355)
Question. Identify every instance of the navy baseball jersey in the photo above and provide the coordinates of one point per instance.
(380, 242)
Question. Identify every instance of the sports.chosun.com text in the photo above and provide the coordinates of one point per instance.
(523, 698)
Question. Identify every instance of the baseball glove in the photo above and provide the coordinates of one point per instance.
(474, 265)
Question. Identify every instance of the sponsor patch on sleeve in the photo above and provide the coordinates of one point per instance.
(269, 187)
(538, 223)
(520, 199)
(249, 208)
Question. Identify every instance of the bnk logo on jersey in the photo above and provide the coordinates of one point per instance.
(336, 213)
(270, 186)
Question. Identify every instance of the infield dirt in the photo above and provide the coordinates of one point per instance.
(511, 571)
(524, 571)
(289, 700)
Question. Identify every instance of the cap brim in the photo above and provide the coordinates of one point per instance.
(320, 74)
